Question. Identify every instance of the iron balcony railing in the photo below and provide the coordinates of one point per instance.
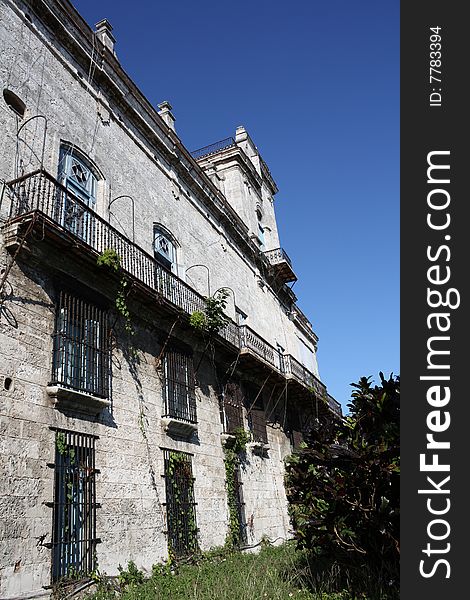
(213, 148)
(39, 191)
(250, 340)
(334, 405)
(277, 256)
(302, 374)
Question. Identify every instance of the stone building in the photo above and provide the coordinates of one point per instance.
(120, 385)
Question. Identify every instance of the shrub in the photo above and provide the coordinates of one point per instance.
(343, 488)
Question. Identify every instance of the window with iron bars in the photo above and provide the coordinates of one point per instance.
(231, 408)
(81, 347)
(257, 420)
(178, 386)
(74, 509)
(180, 504)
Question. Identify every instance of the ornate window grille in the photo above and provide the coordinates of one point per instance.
(164, 246)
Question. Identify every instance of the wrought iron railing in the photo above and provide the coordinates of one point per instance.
(302, 374)
(334, 405)
(39, 191)
(250, 340)
(277, 256)
(213, 148)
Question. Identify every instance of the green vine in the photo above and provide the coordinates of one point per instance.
(180, 468)
(60, 443)
(213, 318)
(110, 258)
(231, 461)
(63, 448)
(242, 437)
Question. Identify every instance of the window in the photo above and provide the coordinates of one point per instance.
(180, 505)
(261, 236)
(164, 246)
(232, 408)
(257, 419)
(76, 175)
(178, 386)
(81, 347)
(74, 510)
(240, 316)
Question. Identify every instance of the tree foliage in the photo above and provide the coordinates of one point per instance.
(343, 488)
(213, 318)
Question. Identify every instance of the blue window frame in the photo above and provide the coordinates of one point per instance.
(76, 175)
(164, 247)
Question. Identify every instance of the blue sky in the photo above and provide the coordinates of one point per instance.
(316, 84)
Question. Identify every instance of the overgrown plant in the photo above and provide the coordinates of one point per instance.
(110, 258)
(343, 489)
(178, 470)
(130, 577)
(232, 462)
(242, 437)
(213, 317)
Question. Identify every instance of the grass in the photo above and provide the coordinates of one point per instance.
(275, 573)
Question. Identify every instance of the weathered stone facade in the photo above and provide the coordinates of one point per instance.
(88, 421)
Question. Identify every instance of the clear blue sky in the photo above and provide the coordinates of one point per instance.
(316, 84)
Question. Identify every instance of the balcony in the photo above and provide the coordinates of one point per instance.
(280, 265)
(41, 205)
(253, 344)
(334, 405)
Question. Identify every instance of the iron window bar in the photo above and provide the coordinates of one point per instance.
(74, 509)
(232, 408)
(180, 504)
(81, 359)
(179, 391)
(257, 425)
(240, 507)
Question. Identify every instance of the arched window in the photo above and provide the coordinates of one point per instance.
(164, 246)
(80, 179)
(76, 173)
